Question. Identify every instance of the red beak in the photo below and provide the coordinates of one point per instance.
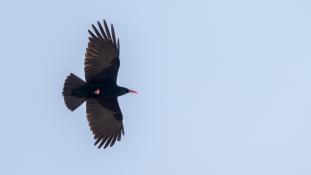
(132, 91)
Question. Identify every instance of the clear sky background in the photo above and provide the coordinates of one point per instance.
(224, 87)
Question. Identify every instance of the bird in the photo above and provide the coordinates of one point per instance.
(100, 90)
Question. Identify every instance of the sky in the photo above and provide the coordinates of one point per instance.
(224, 87)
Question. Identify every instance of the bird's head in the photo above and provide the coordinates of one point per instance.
(123, 90)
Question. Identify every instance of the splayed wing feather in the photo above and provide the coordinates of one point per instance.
(114, 139)
(118, 45)
(102, 30)
(119, 135)
(113, 35)
(107, 29)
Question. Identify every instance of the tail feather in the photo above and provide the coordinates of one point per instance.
(72, 82)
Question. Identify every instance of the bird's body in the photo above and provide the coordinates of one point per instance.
(106, 90)
(100, 90)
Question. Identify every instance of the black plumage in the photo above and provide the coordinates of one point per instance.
(100, 91)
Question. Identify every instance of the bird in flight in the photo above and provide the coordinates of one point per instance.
(100, 90)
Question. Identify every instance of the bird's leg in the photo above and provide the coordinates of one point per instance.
(97, 92)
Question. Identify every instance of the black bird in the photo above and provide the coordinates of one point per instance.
(100, 91)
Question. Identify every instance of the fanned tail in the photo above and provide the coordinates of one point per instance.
(72, 82)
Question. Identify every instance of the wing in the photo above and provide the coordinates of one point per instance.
(102, 55)
(103, 123)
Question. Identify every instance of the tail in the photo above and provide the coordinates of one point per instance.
(72, 82)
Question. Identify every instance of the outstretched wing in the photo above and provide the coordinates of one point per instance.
(105, 121)
(102, 55)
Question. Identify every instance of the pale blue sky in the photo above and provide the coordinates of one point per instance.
(224, 87)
